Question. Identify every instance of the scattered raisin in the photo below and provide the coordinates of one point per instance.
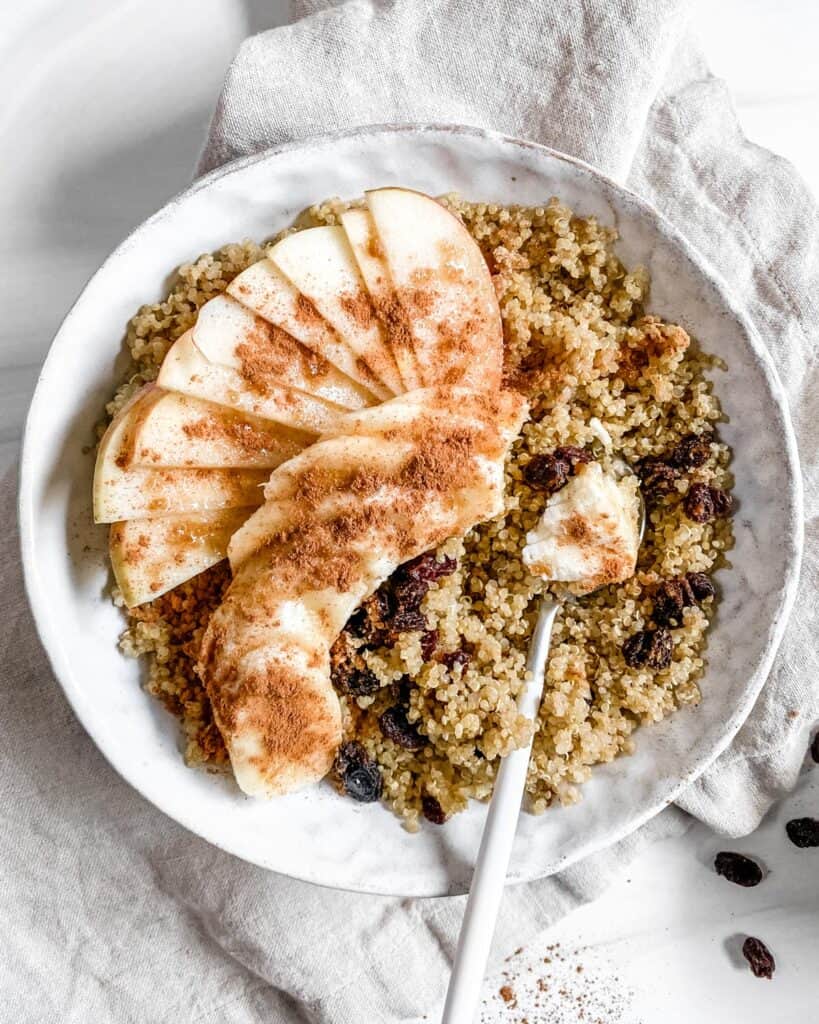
(432, 810)
(699, 503)
(395, 725)
(408, 593)
(723, 502)
(427, 567)
(737, 868)
(657, 478)
(369, 622)
(803, 832)
(407, 620)
(403, 689)
(814, 748)
(410, 584)
(572, 454)
(547, 473)
(429, 644)
(670, 598)
(348, 671)
(701, 586)
(691, 452)
(359, 774)
(650, 647)
(759, 957)
(360, 683)
(453, 658)
(703, 503)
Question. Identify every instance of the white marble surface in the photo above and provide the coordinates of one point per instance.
(102, 120)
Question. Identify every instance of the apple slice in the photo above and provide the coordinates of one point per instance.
(443, 284)
(321, 264)
(340, 459)
(124, 491)
(152, 556)
(363, 238)
(228, 333)
(177, 430)
(264, 289)
(185, 369)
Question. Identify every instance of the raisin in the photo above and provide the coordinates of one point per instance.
(453, 658)
(649, 647)
(360, 683)
(699, 503)
(738, 869)
(547, 473)
(368, 623)
(403, 689)
(701, 586)
(691, 452)
(427, 567)
(432, 810)
(573, 455)
(670, 598)
(348, 672)
(703, 503)
(814, 748)
(359, 774)
(759, 957)
(657, 478)
(410, 585)
(803, 832)
(723, 502)
(408, 594)
(429, 644)
(407, 620)
(395, 725)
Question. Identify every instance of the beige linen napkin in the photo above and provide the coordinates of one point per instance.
(111, 911)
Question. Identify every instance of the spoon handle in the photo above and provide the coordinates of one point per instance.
(486, 891)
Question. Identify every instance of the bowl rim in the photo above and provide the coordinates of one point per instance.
(47, 631)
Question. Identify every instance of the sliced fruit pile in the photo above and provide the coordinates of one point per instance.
(338, 519)
(334, 320)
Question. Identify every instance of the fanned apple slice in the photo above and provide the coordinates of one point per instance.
(363, 238)
(124, 491)
(228, 333)
(369, 447)
(444, 287)
(175, 430)
(338, 462)
(321, 264)
(420, 407)
(265, 290)
(186, 370)
(152, 556)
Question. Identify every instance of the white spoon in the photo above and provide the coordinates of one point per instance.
(486, 891)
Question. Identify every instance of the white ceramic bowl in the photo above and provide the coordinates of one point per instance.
(317, 835)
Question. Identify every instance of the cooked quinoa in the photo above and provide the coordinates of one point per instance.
(578, 342)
